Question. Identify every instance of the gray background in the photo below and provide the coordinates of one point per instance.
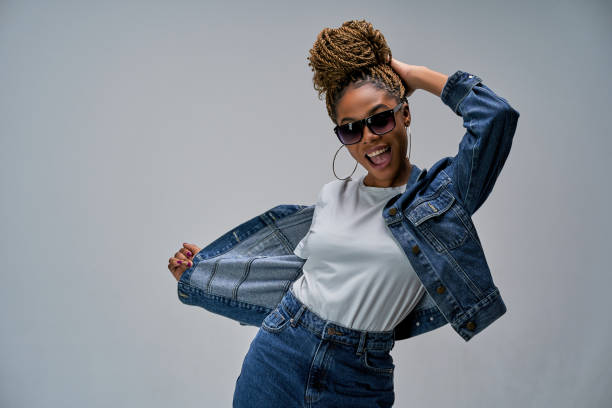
(128, 128)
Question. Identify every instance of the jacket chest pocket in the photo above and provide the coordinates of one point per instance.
(442, 221)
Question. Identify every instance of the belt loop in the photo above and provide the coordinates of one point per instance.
(362, 340)
(294, 320)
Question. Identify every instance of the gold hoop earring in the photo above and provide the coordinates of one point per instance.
(334, 170)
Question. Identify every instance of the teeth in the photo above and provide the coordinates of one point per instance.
(377, 152)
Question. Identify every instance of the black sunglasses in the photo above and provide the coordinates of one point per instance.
(379, 124)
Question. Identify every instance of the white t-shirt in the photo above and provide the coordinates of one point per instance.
(355, 274)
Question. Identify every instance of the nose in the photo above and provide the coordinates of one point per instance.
(369, 137)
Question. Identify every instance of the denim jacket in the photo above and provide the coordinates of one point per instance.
(245, 272)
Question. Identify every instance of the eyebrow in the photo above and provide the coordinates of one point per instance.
(368, 114)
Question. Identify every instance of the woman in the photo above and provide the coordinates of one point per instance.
(367, 280)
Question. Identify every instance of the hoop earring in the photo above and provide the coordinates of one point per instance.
(409, 142)
(334, 170)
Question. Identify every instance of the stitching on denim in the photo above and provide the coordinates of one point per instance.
(289, 282)
(450, 82)
(245, 234)
(465, 219)
(212, 275)
(380, 370)
(229, 246)
(282, 238)
(429, 197)
(247, 269)
(224, 299)
(467, 279)
(476, 82)
(452, 301)
(438, 212)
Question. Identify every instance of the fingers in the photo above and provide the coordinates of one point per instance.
(185, 253)
(182, 260)
(190, 249)
(174, 270)
(180, 255)
(178, 266)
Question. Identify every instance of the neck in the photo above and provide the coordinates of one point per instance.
(400, 178)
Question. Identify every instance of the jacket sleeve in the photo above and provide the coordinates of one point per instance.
(490, 123)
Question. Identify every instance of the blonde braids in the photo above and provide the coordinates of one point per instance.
(354, 52)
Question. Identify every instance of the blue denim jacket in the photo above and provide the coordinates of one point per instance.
(244, 273)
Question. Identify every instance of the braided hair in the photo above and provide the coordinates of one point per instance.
(352, 53)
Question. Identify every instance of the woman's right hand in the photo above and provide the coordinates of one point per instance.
(406, 73)
(182, 260)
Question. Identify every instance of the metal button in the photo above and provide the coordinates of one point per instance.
(470, 325)
(440, 289)
(418, 323)
(431, 318)
(470, 76)
(416, 249)
(393, 211)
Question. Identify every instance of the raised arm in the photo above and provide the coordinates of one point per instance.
(490, 124)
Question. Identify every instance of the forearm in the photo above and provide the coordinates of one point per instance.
(428, 79)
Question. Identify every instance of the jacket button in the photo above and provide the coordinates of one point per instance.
(416, 249)
(440, 289)
(393, 211)
(470, 325)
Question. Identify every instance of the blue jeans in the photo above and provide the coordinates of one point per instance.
(298, 359)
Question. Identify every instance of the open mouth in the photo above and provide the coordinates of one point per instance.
(382, 159)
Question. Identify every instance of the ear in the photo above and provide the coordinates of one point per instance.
(406, 114)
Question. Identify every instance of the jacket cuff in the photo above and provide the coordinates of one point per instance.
(457, 87)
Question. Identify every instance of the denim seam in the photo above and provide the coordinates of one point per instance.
(452, 301)
(289, 282)
(223, 298)
(476, 82)
(247, 270)
(460, 319)
(212, 275)
(277, 232)
(478, 291)
(450, 82)
(474, 155)
(429, 197)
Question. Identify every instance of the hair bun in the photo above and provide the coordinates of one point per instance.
(373, 40)
(338, 52)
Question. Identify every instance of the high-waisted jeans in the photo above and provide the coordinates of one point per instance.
(298, 359)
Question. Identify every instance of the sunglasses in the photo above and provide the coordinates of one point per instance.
(379, 124)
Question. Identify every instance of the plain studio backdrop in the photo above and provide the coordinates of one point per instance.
(130, 127)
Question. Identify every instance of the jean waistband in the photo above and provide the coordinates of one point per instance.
(326, 329)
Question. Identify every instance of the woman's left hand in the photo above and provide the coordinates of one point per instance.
(406, 73)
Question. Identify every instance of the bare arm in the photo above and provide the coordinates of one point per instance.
(420, 77)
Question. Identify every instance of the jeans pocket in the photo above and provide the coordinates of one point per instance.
(275, 322)
(378, 361)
